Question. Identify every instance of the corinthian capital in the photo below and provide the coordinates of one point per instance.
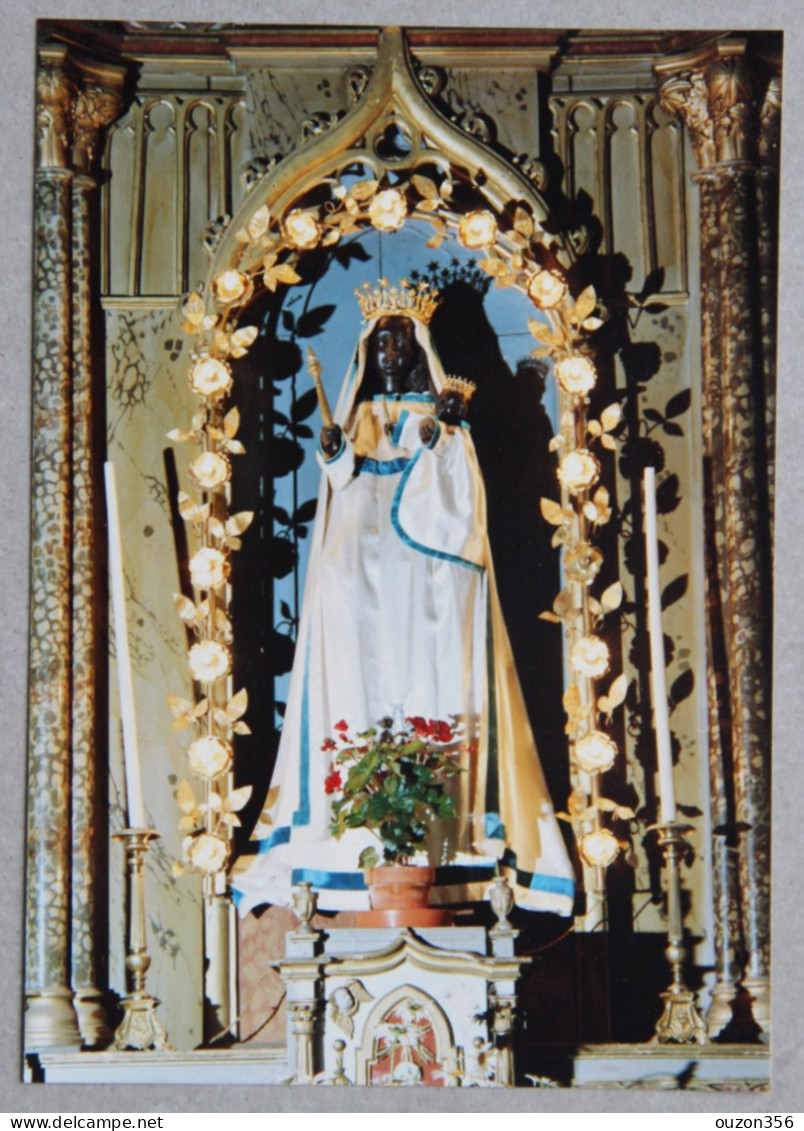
(684, 95)
(731, 85)
(54, 109)
(95, 108)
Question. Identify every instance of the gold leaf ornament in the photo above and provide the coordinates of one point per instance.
(595, 752)
(207, 853)
(612, 598)
(599, 848)
(551, 511)
(546, 289)
(210, 377)
(610, 417)
(209, 756)
(477, 230)
(589, 657)
(237, 799)
(301, 229)
(241, 339)
(388, 210)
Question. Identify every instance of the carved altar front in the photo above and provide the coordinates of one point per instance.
(377, 1006)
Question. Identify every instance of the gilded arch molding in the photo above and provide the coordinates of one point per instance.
(392, 97)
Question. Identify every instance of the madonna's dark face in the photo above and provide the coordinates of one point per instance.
(392, 351)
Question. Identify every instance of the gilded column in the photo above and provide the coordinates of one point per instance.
(96, 107)
(685, 94)
(731, 84)
(50, 1018)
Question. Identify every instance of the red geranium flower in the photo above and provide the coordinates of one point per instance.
(329, 744)
(420, 728)
(440, 731)
(342, 725)
(332, 781)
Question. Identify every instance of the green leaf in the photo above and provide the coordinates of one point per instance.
(368, 858)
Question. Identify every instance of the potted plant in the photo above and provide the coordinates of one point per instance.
(395, 785)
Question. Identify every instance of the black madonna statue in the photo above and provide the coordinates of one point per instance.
(401, 618)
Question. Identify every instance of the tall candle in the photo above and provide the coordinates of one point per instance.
(131, 756)
(661, 718)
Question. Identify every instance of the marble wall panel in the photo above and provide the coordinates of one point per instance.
(173, 163)
(147, 396)
(628, 158)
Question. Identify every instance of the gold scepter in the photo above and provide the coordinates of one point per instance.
(314, 369)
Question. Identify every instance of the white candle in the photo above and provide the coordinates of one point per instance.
(661, 718)
(131, 756)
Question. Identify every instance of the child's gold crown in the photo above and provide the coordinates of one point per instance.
(459, 385)
(406, 300)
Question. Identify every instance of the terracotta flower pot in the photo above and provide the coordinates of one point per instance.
(399, 895)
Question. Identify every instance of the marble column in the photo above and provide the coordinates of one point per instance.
(50, 1019)
(717, 96)
(732, 98)
(768, 248)
(96, 107)
(684, 94)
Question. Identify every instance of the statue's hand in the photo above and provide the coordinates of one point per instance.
(427, 429)
(331, 439)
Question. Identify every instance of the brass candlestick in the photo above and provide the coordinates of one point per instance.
(680, 1022)
(140, 1028)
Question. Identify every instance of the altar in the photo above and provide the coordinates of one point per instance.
(448, 577)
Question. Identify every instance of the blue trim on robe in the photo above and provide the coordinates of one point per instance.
(442, 555)
(382, 466)
(396, 435)
(337, 881)
(493, 826)
(302, 814)
(410, 398)
(278, 836)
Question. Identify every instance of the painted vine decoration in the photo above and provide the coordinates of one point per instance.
(516, 253)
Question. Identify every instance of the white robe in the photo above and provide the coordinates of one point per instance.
(401, 615)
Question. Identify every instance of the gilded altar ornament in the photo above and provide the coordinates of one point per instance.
(576, 375)
(209, 756)
(582, 563)
(208, 568)
(301, 229)
(578, 471)
(546, 289)
(595, 752)
(388, 210)
(404, 301)
(589, 657)
(210, 470)
(140, 1028)
(477, 230)
(680, 1022)
(599, 848)
(207, 853)
(231, 287)
(210, 377)
(208, 661)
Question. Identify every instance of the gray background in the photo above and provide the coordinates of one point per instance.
(17, 36)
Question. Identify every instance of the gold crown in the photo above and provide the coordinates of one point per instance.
(459, 385)
(406, 300)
